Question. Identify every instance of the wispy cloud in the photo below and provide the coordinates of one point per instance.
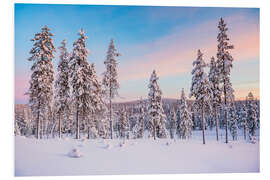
(173, 54)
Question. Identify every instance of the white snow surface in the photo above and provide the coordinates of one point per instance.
(50, 157)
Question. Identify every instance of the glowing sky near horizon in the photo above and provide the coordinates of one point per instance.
(162, 38)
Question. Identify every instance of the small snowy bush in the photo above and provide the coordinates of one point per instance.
(75, 153)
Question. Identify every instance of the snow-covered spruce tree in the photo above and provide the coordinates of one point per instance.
(193, 117)
(109, 81)
(257, 104)
(216, 92)
(138, 129)
(80, 79)
(251, 115)
(17, 131)
(124, 124)
(142, 118)
(172, 123)
(178, 119)
(97, 121)
(62, 87)
(244, 124)
(41, 83)
(224, 65)
(201, 89)
(233, 121)
(157, 118)
(185, 116)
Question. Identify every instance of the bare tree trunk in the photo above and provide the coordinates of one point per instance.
(203, 125)
(59, 126)
(77, 124)
(216, 118)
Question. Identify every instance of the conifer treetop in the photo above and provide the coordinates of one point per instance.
(43, 47)
(62, 88)
(200, 87)
(224, 60)
(109, 81)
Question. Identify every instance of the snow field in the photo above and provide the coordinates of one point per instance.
(50, 157)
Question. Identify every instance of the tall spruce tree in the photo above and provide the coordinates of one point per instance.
(233, 121)
(185, 116)
(62, 87)
(41, 83)
(80, 77)
(251, 115)
(138, 129)
(216, 92)
(201, 89)
(124, 124)
(172, 123)
(97, 121)
(224, 65)
(110, 81)
(244, 124)
(156, 114)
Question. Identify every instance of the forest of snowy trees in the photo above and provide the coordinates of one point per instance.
(69, 100)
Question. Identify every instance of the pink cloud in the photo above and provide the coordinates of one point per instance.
(173, 54)
(21, 86)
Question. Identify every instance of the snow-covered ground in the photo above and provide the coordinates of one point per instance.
(144, 156)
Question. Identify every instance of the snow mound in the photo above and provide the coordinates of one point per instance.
(168, 143)
(83, 140)
(75, 153)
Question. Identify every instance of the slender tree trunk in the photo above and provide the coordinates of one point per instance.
(60, 126)
(52, 134)
(216, 118)
(171, 130)
(38, 122)
(245, 136)
(88, 133)
(225, 102)
(111, 123)
(77, 124)
(203, 125)
(226, 114)
(154, 130)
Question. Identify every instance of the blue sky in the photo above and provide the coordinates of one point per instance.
(147, 37)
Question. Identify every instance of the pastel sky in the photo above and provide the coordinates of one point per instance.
(162, 38)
